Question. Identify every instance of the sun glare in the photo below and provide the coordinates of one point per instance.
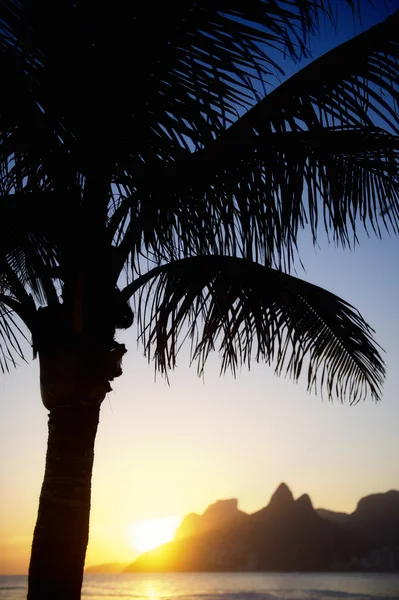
(150, 533)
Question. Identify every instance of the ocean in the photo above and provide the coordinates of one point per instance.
(226, 586)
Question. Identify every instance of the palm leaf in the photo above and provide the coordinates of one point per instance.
(251, 312)
(12, 314)
(323, 147)
(213, 56)
(32, 232)
(61, 62)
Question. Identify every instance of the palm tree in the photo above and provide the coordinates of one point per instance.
(128, 175)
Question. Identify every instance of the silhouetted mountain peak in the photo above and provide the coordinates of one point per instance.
(214, 517)
(378, 505)
(222, 509)
(305, 503)
(282, 497)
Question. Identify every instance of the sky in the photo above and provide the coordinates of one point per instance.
(167, 450)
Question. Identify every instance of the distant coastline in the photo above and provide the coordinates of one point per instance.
(107, 568)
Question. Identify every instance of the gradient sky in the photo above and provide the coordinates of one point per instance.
(165, 451)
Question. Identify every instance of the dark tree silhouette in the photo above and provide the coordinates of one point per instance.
(127, 174)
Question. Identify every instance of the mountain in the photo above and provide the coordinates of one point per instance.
(376, 518)
(285, 535)
(220, 513)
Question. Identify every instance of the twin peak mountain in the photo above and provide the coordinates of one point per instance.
(226, 512)
(285, 535)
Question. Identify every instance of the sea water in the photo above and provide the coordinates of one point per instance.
(226, 586)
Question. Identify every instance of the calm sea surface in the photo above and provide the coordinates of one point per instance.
(226, 586)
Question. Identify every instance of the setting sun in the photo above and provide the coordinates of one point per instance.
(150, 533)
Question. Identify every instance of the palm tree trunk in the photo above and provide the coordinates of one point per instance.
(62, 528)
(75, 376)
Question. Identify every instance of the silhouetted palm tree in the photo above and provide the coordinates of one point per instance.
(127, 174)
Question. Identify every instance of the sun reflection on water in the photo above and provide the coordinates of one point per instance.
(152, 593)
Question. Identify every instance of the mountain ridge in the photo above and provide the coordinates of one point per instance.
(285, 535)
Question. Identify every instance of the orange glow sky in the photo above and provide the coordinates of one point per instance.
(165, 451)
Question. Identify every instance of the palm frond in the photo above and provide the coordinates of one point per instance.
(11, 332)
(31, 233)
(250, 312)
(321, 148)
(193, 66)
(62, 122)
